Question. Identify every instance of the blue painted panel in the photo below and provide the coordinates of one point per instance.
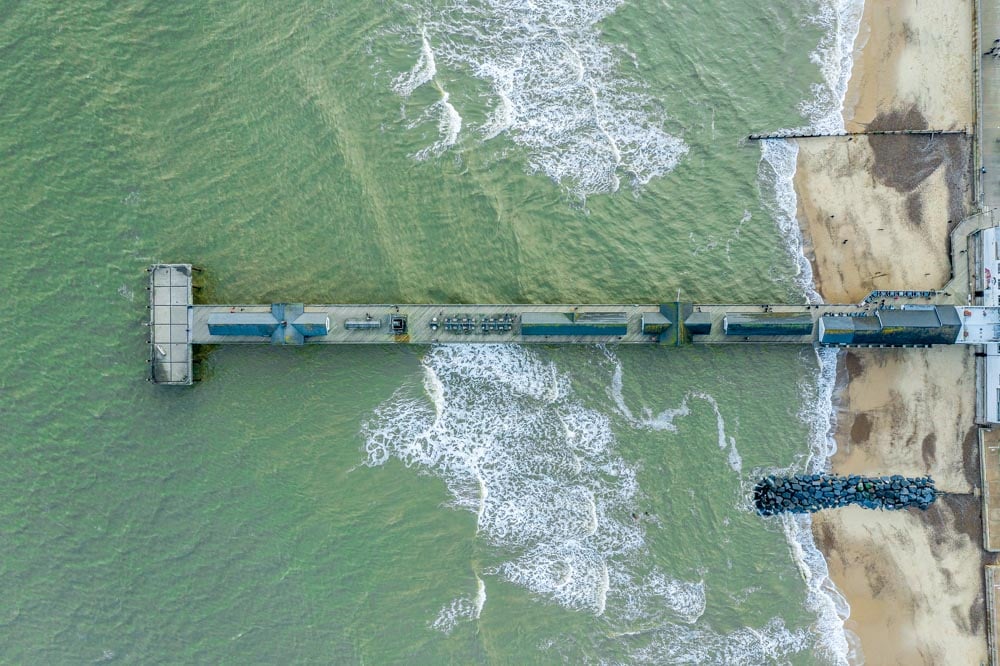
(257, 324)
(312, 324)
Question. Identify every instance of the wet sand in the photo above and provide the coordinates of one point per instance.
(913, 53)
(875, 213)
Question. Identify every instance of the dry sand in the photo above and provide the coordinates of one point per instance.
(913, 579)
(875, 213)
(913, 53)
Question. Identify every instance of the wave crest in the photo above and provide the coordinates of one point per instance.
(556, 90)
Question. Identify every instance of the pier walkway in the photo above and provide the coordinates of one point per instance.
(884, 319)
(511, 323)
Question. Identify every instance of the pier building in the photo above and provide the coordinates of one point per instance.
(983, 325)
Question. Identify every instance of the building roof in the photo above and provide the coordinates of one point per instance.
(909, 318)
(696, 318)
(865, 323)
(551, 318)
(768, 318)
(655, 318)
(312, 323)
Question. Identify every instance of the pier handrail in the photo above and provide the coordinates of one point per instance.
(807, 135)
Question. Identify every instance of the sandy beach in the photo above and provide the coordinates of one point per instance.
(912, 54)
(913, 579)
(875, 214)
(876, 211)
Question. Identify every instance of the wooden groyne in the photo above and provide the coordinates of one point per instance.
(807, 135)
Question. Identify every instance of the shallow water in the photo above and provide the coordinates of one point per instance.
(388, 505)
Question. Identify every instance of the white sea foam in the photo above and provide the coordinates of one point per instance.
(664, 420)
(556, 89)
(817, 411)
(658, 600)
(480, 599)
(502, 429)
(834, 55)
(461, 609)
(775, 174)
(734, 458)
(824, 114)
(676, 644)
(449, 124)
(422, 71)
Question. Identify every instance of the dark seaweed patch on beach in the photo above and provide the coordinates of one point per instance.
(903, 162)
(854, 364)
(861, 429)
(914, 209)
(977, 611)
(929, 449)
(970, 456)
(876, 580)
(961, 513)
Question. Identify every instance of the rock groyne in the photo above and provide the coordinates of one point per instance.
(809, 493)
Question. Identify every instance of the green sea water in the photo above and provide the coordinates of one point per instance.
(256, 517)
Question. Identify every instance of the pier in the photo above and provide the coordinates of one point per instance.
(965, 311)
(884, 319)
(896, 318)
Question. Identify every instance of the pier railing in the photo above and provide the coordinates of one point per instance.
(826, 135)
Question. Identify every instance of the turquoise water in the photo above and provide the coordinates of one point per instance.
(302, 152)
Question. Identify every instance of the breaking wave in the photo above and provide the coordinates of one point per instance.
(665, 419)
(462, 609)
(556, 90)
(683, 645)
(841, 20)
(534, 465)
(503, 429)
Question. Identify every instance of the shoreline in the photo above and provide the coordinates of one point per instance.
(912, 579)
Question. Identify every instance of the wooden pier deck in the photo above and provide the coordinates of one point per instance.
(177, 323)
(419, 319)
(471, 318)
